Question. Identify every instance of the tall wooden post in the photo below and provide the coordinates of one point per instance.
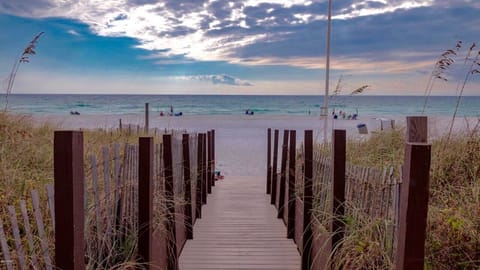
(69, 212)
(291, 185)
(188, 186)
(210, 159)
(213, 155)
(417, 129)
(120, 124)
(198, 204)
(269, 160)
(283, 175)
(413, 207)
(147, 118)
(338, 175)
(274, 168)
(208, 152)
(307, 201)
(204, 169)
(145, 200)
(170, 204)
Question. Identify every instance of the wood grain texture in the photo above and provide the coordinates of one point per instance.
(239, 230)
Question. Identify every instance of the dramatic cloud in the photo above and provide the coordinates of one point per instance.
(217, 79)
(250, 31)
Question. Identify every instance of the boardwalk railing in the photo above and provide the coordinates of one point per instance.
(327, 202)
(137, 205)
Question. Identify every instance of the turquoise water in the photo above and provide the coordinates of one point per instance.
(263, 105)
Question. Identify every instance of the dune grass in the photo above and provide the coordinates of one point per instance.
(453, 228)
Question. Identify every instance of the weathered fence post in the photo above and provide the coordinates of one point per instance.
(307, 201)
(147, 118)
(204, 169)
(69, 208)
(269, 160)
(170, 204)
(283, 175)
(274, 168)
(120, 124)
(213, 155)
(208, 161)
(413, 207)
(291, 185)
(145, 200)
(417, 129)
(198, 197)
(188, 186)
(338, 176)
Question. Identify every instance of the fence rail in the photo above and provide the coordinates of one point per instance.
(332, 198)
(100, 206)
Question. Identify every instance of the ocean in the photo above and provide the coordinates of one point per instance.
(229, 105)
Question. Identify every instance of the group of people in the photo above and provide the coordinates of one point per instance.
(171, 113)
(344, 115)
(249, 112)
(74, 113)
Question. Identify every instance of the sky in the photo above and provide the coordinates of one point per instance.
(236, 47)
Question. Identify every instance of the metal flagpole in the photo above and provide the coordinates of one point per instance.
(327, 71)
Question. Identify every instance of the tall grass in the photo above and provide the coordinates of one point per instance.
(453, 228)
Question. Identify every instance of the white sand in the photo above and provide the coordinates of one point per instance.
(240, 139)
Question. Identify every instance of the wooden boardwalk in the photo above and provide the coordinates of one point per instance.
(239, 230)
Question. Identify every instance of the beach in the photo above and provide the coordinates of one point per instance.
(241, 139)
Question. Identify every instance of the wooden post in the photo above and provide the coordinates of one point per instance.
(204, 169)
(413, 207)
(69, 211)
(188, 186)
(213, 155)
(209, 180)
(170, 204)
(283, 175)
(147, 118)
(269, 160)
(274, 168)
(417, 129)
(120, 124)
(198, 204)
(338, 175)
(307, 201)
(210, 162)
(291, 185)
(145, 200)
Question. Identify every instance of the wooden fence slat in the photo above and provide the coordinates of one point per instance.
(16, 235)
(283, 175)
(41, 229)
(51, 203)
(7, 259)
(274, 168)
(28, 232)
(204, 169)
(96, 195)
(188, 186)
(307, 201)
(107, 192)
(116, 191)
(209, 162)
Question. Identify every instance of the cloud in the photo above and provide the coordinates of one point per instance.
(217, 79)
(73, 32)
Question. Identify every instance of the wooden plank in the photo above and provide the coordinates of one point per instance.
(51, 203)
(7, 259)
(239, 230)
(198, 204)
(28, 233)
(16, 235)
(41, 229)
(96, 196)
(107, 193)
(414, 207)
